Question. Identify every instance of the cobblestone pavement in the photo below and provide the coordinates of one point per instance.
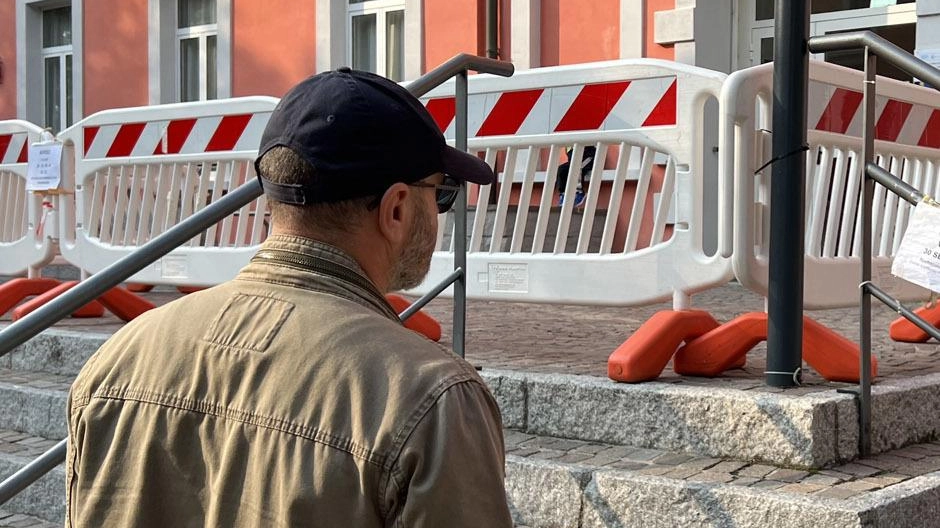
(18, 520)
(840, 482)
(578, 339)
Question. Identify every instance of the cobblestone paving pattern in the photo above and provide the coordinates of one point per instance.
(839, 482)
(578, 339)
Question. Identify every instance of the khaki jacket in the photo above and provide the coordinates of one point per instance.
(290, 396)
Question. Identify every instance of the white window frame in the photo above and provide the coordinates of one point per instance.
(30, 56)
(60, 53)
(201, 32)
(333, 47)
(379, 8)
(163, 50)
(752, 31)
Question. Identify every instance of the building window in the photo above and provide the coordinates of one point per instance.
(197, 50)
(57, 68)
(377, 37)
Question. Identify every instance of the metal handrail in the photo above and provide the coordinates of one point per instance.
(86, 291)
(875, 47)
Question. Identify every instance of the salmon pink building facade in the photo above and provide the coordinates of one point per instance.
(61, 60)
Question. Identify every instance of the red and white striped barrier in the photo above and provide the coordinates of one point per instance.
(141, 171)
(638, 237)
(23, 245)
(907, 131)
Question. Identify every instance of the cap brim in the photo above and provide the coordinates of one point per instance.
(467, 167)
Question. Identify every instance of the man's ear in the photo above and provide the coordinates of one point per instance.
(394, 214)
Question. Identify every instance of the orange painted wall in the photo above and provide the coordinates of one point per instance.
(273, 46)
(452, 27)
(8, 58)
(115, 53)
(573, 31)
(651, 49)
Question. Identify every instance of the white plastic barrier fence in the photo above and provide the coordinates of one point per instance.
(27, 240)
(907, 139)
(140, 171)
(638, 238)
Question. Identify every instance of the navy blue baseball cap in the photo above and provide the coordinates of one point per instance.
(362, 133)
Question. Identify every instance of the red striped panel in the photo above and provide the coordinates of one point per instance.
(442, 111)
(591, 107)
(839, 112)
(176, 134)
(90, 133)
(510, 111)
(665, 111)
(4, 145)
(24, 153)
(228, 132)
(931, 136)
(892, 120)
(125, 140)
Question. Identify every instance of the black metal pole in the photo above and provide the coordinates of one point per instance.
(787, 195)
(492, 29)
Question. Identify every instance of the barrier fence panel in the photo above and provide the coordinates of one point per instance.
(26, 239)
(907, 138)
(141, 171)
(634, 129)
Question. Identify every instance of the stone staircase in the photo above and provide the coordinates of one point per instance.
(585, 452)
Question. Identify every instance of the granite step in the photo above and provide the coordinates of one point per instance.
(808, 427)
(559, 482)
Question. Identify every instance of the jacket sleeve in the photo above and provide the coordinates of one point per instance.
(451, 468)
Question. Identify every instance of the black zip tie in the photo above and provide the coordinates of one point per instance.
(804, 148)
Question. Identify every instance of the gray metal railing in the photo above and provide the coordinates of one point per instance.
(88, 290)
(875, 47)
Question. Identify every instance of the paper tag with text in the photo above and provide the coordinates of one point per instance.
(918, 257)
(44, 168)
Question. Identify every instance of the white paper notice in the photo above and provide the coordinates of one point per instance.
(44, 169)
(918, 257)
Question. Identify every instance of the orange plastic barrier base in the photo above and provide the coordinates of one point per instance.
(185, 290)
(905, 331)
(14, 291)
(419, 322)
(137, 287)
(832, 355)
(644, 355)
(92, 309)
(120, 302)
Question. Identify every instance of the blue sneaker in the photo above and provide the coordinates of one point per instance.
(579, 198)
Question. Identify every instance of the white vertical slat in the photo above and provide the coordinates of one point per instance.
(819, 198)
(258, 232)
(165, 178)
(118, 227)
(227, 236)
(245, 213)
(95, 189)
(639, 200)
(932, 184)
(147, 218)
(190, 184)
(108, 212)
(616, 197)
(174, 195)
(525, 198)
(502, 201)
(545, 201)
(223, 172)
(912, 174)
(889, 211)
(6, 194)
(590, 201)
(666, 196)
(877, 210)
(852, 218)
(133, 209)
(482, 205)
(574, 176)
(837, 204)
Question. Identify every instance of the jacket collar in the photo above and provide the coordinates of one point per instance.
(310, 264)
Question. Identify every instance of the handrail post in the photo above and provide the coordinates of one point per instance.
(868, 193)
(460, 221)
(787, 196)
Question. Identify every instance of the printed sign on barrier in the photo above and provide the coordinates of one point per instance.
(44, 168)
(918, 258)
